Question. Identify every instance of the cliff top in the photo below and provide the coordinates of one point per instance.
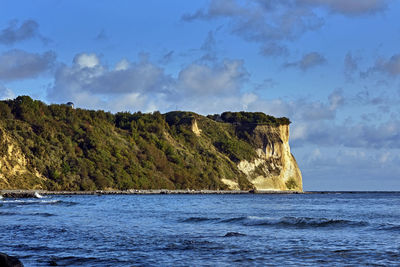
(243, 117)
(23, 106)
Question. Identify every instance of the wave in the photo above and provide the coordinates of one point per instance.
(42, 214)
(37, 195)
(67, 203)
(389, 227)
(231, 234)
(199, 219)
(208, 219)
(76, 261)
(235, 219)
(192, 244)
(7, 213)
(37, 202)
(302, 222)
(287, 221)
(30, 201)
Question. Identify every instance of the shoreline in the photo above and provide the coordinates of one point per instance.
(27, 193)
(22, 193)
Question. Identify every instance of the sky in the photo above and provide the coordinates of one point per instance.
(331, 66)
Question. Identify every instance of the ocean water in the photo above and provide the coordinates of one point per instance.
(333, 229)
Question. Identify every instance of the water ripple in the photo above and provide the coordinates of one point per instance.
(287, 221)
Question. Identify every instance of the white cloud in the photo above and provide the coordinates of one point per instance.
(247, 99)
(201, 79)
(209, 104)
(299, 132)
(145, 84)
(122, 65)
(87, 74)
(6, 93)
(86, 60)
(128, 102)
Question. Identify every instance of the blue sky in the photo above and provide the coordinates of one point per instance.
(331, 66)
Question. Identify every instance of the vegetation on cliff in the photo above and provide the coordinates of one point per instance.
(249, 118)
(77, 149)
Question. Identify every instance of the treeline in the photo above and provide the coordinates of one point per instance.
(249, 118)
(77, 149)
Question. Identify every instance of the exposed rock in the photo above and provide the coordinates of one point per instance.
(195, 128)
(21, 194)
(274, 168)
(9, 261)
(13, 163)
(253, 191)
(232, 184)
(52, 263)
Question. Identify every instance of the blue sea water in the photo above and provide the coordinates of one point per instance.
(336, 229)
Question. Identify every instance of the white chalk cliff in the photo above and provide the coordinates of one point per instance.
(275, 168)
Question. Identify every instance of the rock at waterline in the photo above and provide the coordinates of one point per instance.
(230, 234)
(9, 261)
(52, 263)
(21, 194)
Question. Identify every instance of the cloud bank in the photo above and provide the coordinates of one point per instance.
(88, 82)
(273, 24)
(18, 64)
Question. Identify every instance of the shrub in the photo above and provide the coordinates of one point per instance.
(291, 184)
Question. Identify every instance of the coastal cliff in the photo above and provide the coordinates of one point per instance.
(56, 147)
(274, 168)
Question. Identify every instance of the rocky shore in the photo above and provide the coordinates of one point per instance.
(39, 193)
(9, 261)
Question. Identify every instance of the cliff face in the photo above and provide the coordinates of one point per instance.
(14, 167)
(274, 167)
(58, 148)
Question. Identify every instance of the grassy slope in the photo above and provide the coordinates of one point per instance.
(77, 149)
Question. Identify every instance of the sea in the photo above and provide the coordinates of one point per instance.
(318, 229)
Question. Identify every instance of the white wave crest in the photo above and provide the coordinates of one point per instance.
(37, 195)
